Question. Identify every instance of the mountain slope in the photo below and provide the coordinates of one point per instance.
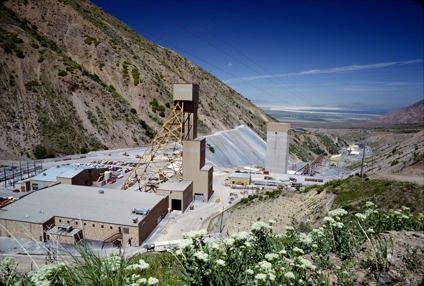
(73, 79)
(407, 115)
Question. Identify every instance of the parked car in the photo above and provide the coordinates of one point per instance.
(111, 181)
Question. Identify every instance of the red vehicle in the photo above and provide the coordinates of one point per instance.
(111, 181)
(16, 191)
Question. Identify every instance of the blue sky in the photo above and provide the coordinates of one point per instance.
(364, 54)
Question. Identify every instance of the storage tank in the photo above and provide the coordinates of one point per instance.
(107, 175)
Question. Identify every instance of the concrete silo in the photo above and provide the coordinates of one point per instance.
(277, 147)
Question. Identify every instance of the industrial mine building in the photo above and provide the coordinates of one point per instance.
(66, 174)
(69, 213)
(65, 208)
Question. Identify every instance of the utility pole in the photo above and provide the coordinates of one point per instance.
(222, 218)
(363, 157)
(13, 175)
(4, 173)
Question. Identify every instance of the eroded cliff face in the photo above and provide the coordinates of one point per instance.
(74, 79)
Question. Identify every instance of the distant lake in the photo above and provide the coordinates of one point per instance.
(322, 116)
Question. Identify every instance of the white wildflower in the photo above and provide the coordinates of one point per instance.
(318, 231)
(271, 222)
(271, 277)
(214, 245)
(297, 250)
(289, 227)
(305, 238)
(152, 281)
(329, 219)
(229, 241)
(271, 256)
(185, 243)
(243, 235)
(306, 263)
(259, 225)
(201, 255)
(194, 234)
(42, 276)
(361, 216)
(260, 276)
(141, 265)
(370, 230)
(369, 204)
(289, 275)
(220, 262)
(7, 261)
(250, 271)
(337, 212)
(283, 252)
(338, 224)
(265, 265)
(113, 262)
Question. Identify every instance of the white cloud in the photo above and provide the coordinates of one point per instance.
(350, 68)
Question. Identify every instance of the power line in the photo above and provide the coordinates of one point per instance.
(214, 66)
(282, 84)
(286, 86)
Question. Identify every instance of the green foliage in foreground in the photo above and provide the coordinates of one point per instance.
(294, 258)
(353, 192)
(90, 269)
(258, 257)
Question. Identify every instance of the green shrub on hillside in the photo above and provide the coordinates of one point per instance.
(136, 76)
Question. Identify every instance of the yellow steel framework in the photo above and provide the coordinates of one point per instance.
(162, 159)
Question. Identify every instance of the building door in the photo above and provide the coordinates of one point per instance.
(176, 205)
(198, 197)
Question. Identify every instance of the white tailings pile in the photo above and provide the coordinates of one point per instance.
(235, 148)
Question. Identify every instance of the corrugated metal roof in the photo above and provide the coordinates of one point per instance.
(240, 175)
(62, 171)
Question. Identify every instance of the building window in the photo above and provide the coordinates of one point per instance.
(111, 227)
(102, 226)
(60, 220)
(85, 223)
(68, 221)
(126, 230)
(76, 223)
(94, 225)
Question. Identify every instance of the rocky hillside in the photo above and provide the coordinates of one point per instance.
(408, 115)
(74, 79)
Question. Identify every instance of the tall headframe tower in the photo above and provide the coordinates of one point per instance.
(178, 133)
(194, 149)
(277, 147)
(187, 96)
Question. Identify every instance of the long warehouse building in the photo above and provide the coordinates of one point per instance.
(69, 213)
